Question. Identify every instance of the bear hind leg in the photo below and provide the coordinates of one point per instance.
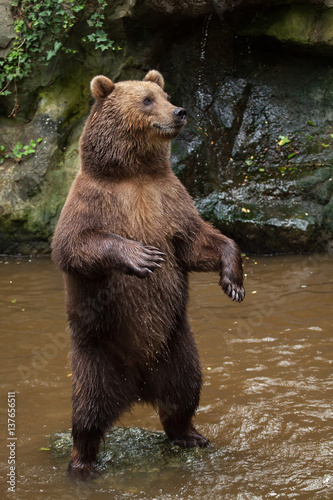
(98, 401)
(83, 464)
(177, 387)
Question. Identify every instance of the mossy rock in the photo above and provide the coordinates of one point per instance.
(304, 25)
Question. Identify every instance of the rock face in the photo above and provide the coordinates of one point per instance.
(7, 31)
(307, 26)
(257, 153)
(257, 150)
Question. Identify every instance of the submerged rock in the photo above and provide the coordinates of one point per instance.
(133, 451)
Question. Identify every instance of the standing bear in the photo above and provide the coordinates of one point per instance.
(127, 237)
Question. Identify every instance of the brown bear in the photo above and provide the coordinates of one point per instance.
(127, 237)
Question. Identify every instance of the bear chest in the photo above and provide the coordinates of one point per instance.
(141, 211)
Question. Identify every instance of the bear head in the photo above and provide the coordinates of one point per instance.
(130, 124)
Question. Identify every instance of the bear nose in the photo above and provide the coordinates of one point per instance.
(180, 113)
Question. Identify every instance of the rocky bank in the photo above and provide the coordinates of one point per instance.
(257, 83)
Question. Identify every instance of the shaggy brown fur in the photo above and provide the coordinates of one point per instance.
(127, 217)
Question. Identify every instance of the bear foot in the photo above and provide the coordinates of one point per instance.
(83, 472)
(191, 440)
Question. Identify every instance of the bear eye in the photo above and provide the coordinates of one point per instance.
(147, 101)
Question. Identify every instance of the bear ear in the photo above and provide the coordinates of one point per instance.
(154, 76)
(101, 87)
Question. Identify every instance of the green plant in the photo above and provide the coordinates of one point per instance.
(18, 151)
(293, 154)
(283, 140)
(96, 22)
(42, 31)
(288, 168)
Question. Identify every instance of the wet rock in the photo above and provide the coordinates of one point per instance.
(272, 215)
(257, 152)
(133, 451)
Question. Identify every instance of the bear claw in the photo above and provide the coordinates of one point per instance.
(141, 260)
(235, 292)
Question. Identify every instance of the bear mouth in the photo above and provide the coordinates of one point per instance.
(168, 128)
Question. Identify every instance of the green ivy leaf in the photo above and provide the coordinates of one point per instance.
(50, 54)
(17, 148)
(44, 28)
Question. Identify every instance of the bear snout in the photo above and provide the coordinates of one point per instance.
(180, 113)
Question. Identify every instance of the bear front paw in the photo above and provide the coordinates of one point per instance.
(141, 260)
(234, 290)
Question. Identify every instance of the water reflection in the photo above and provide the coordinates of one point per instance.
(267, 398)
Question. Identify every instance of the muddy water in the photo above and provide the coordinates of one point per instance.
(266, 403)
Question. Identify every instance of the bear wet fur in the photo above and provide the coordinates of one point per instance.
(127, 238)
